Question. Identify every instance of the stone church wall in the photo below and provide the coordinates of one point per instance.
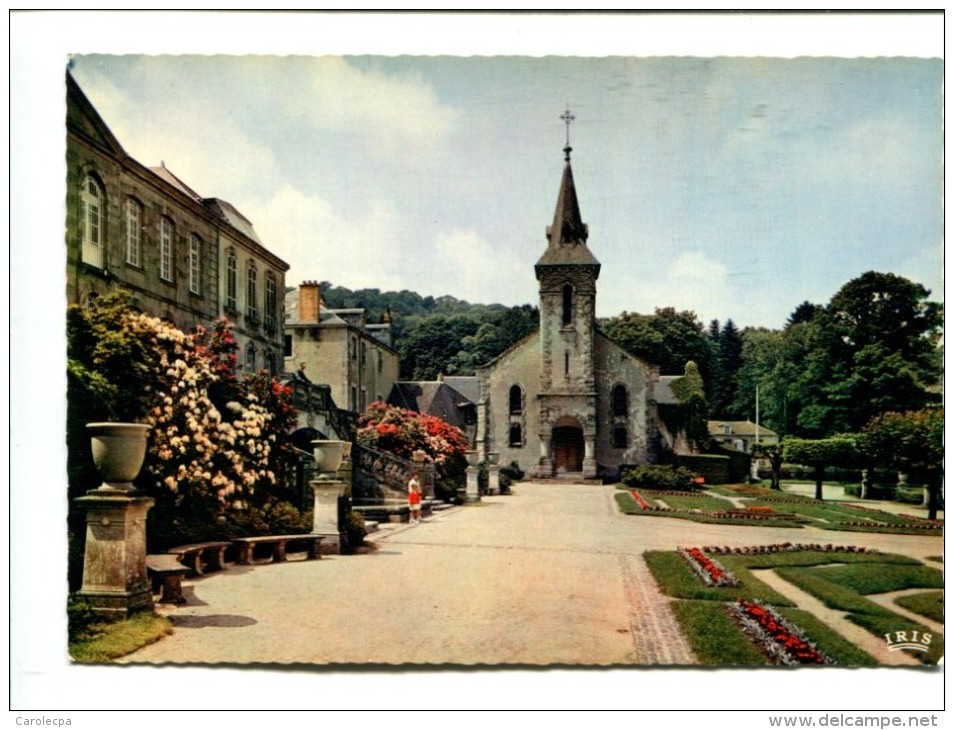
(520, 366)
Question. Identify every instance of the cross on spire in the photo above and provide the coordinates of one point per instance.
(567, 118)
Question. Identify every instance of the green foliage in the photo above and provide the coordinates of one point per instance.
(659, 477)
(880, 624)
(667, 338)
(677, 579)
(690, 416)
(355, 529)
(820, 453)
(727, 346)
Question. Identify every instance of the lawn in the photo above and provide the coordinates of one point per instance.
(772, 509)
(95, 641)
(841, 580)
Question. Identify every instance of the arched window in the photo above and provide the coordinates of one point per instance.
(91, 222)
(231, 281)
(516, 400)
(567, 305)
(270, 361)
(619, 401)
(516, 435)
(167, 252)
(133, 226)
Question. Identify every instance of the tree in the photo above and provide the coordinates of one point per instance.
(774, 453)
(667, 338)
(821, 453)
(690, 416)
(727, 345)
(911, 442)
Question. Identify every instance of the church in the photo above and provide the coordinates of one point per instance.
(566, 401)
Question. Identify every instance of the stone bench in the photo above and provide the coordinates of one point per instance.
(192, 555)
(167, 573)
(278, 545)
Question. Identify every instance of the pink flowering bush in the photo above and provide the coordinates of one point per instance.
(402, 432)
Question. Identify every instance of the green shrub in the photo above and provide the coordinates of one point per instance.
(355, 529)
(659, 477)
(510, 474)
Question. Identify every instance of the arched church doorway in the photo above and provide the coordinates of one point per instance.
(568, 446)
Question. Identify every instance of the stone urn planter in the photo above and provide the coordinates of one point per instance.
(119, 450)
(473, 458)
(493, 457)
(328, 455)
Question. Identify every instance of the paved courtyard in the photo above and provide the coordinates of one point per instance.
(550, 575)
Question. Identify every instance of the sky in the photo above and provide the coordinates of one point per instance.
(734, 187)
(737, 188)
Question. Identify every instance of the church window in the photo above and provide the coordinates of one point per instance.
(619, 401)
(516, 400)
(91, 206)
(133, 225)
(620, 437)
(166, 250)
(516, 435)
(567, 305)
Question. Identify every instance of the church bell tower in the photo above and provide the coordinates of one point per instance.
(567, 274)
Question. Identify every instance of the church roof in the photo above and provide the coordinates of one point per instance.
(434, 398)
(567, 235)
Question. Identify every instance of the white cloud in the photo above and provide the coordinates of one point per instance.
(472, 268)
(321, 245)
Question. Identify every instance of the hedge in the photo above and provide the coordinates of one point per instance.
(714, 468)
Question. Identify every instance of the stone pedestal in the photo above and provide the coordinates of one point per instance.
(493, 479)
(115, 583)
(473, 490)
(327, 488)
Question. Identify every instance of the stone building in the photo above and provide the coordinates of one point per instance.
(567, 400)
(182, 257)
(339, 347)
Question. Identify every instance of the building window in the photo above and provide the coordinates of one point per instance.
(516, 435)
(353, 404)
(567, 305)
(364, 399)
(364, 352)
(133, 226)
(620, 437)
(166, 249)
(726, 429)
(516, 400)
(270, 362)
(271, 300)
(231, 282)
(619, 401)
(354, 348)
(195, 264)
(91, 206)
(288, 345)
(250, 358)
(251, 292)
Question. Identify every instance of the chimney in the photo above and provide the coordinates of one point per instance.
(309, 302)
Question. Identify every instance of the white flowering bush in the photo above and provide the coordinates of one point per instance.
(215, 442)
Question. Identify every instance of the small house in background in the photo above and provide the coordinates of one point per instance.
(741, 435)
(338, 347)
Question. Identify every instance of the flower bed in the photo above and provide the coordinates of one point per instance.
(891, 525)
(784, 643)
(933, 523)
(638, 498)
(739, 514)
(664, 494)
(760, 509)
(786, 547)
(710, 571)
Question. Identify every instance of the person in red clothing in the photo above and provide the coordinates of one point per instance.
(414, 500)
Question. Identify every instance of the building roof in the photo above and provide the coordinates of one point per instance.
(739, 428)
(431, 397)
(229, 213)
(166, 174)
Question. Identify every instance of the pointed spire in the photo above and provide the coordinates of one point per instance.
(568, 234)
